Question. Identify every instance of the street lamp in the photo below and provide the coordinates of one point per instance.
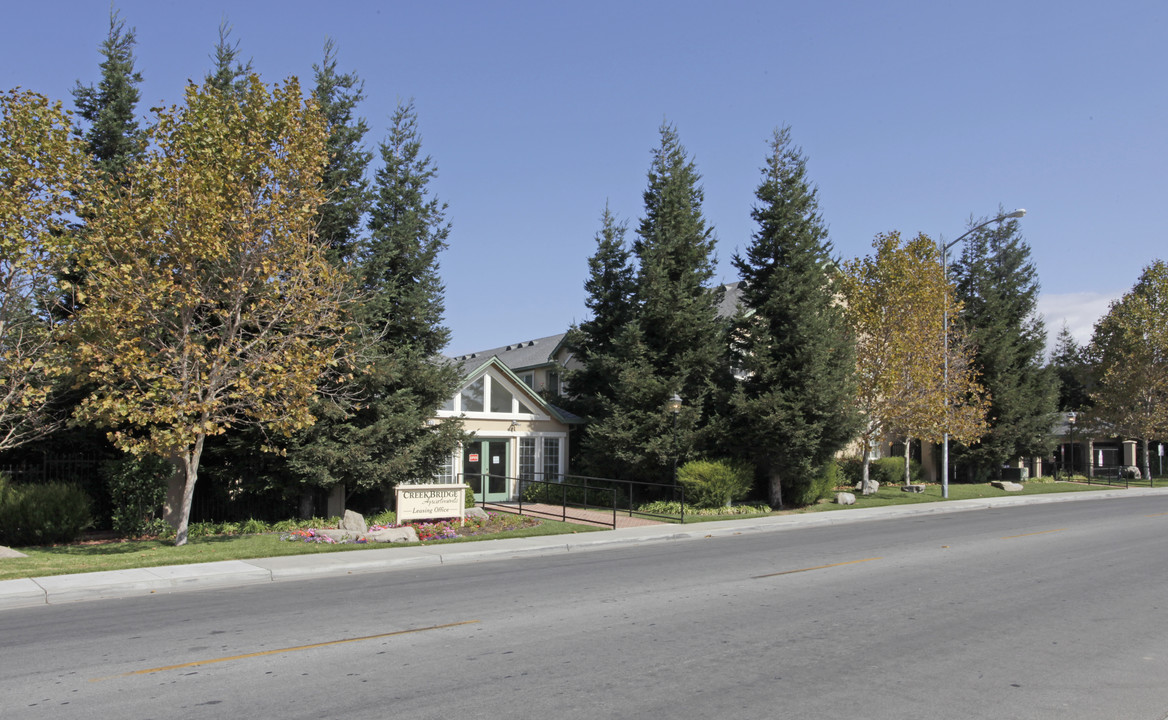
(1071, 418)
(945, 331)
(673, 405)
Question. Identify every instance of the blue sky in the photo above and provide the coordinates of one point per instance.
(914, 116)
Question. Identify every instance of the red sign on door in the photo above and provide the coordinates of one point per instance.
(474, 457)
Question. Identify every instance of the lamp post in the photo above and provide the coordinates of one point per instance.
(945, 331)
(1071, 418)
(673, 405)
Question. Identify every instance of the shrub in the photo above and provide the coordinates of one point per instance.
(714, 483)
(42, 514)
(137, 488)
(823, 483)
(890, 471)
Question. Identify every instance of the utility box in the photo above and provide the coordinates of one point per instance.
(1016, 474)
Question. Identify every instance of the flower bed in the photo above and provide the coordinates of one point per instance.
(433, 529)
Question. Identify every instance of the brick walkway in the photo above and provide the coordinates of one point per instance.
(575, 515)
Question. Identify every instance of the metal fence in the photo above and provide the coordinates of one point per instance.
(571, 493)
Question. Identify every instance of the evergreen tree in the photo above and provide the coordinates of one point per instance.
(229, 75)
(345, 185)
(610, 287)
(1070, 366)
(795, 406)
(674, 344)
(113, 136)
(998, 287)
(387, 440)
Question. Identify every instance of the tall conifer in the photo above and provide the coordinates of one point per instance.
(113, 136)
(387, 440)
(794, 407)
(346, 188)
(998, 287)
(674, 343)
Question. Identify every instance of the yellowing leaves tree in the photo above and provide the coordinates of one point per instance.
(1130, 347)
(209, 304)
(896, 300)
(42, 169)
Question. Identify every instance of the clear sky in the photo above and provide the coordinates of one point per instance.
(914, 115)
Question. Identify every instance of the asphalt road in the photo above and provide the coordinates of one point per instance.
(1046, 611)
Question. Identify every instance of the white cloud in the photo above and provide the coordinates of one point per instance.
(1080, 311)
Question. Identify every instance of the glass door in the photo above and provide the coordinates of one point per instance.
(484, 465)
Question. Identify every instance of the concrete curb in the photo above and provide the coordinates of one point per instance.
(60, 589)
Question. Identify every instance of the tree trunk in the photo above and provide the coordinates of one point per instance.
(307, 504)
(1147, 462)
(907, 461)
(190, 466)
(775, 488)
(865, 482)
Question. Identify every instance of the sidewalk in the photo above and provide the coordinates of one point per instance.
(60, 589)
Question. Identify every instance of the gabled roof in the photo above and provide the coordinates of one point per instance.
(517, 356)
(532, 397)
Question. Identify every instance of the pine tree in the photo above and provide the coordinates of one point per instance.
(998, 287)
(113, 136)
(228, 76)
(674, 345)
(1069, 364)
(795, 406)
(610, 287)
(387, 439)
(345, 185)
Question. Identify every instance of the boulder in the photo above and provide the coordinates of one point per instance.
(1131, 472)
(912, 488)
(843, 498)
(398, 534)
(354, 521)
(1006, 485)
(477, 512)
(6, 552)
(871, 488)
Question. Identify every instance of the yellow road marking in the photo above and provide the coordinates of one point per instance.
(1040, 532)
(262, 653)
(817, 567)
(1156, 514)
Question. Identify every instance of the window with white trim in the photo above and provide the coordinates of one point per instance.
(551, 459)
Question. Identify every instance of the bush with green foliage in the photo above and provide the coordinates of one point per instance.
(822, 485)
(715, 483)
(673, 508)
(890, 471)
(42, 514)
(137, 488)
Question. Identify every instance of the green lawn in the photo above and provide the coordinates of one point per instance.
(122, 555)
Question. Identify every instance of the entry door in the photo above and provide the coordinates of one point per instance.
(484, 465)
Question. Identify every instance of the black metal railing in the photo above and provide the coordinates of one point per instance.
(581, 492)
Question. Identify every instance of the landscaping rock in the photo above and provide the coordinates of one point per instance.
(354, 521)
(1007, 485)
(401, 534)
(1131, 472)
(870, 488)
(477, 512)
(843, 498)
(912, 488)
(10, 553)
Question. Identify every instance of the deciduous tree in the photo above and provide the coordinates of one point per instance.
(209, 303)
(42, 172)
(896, 299)
(1130, 344)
